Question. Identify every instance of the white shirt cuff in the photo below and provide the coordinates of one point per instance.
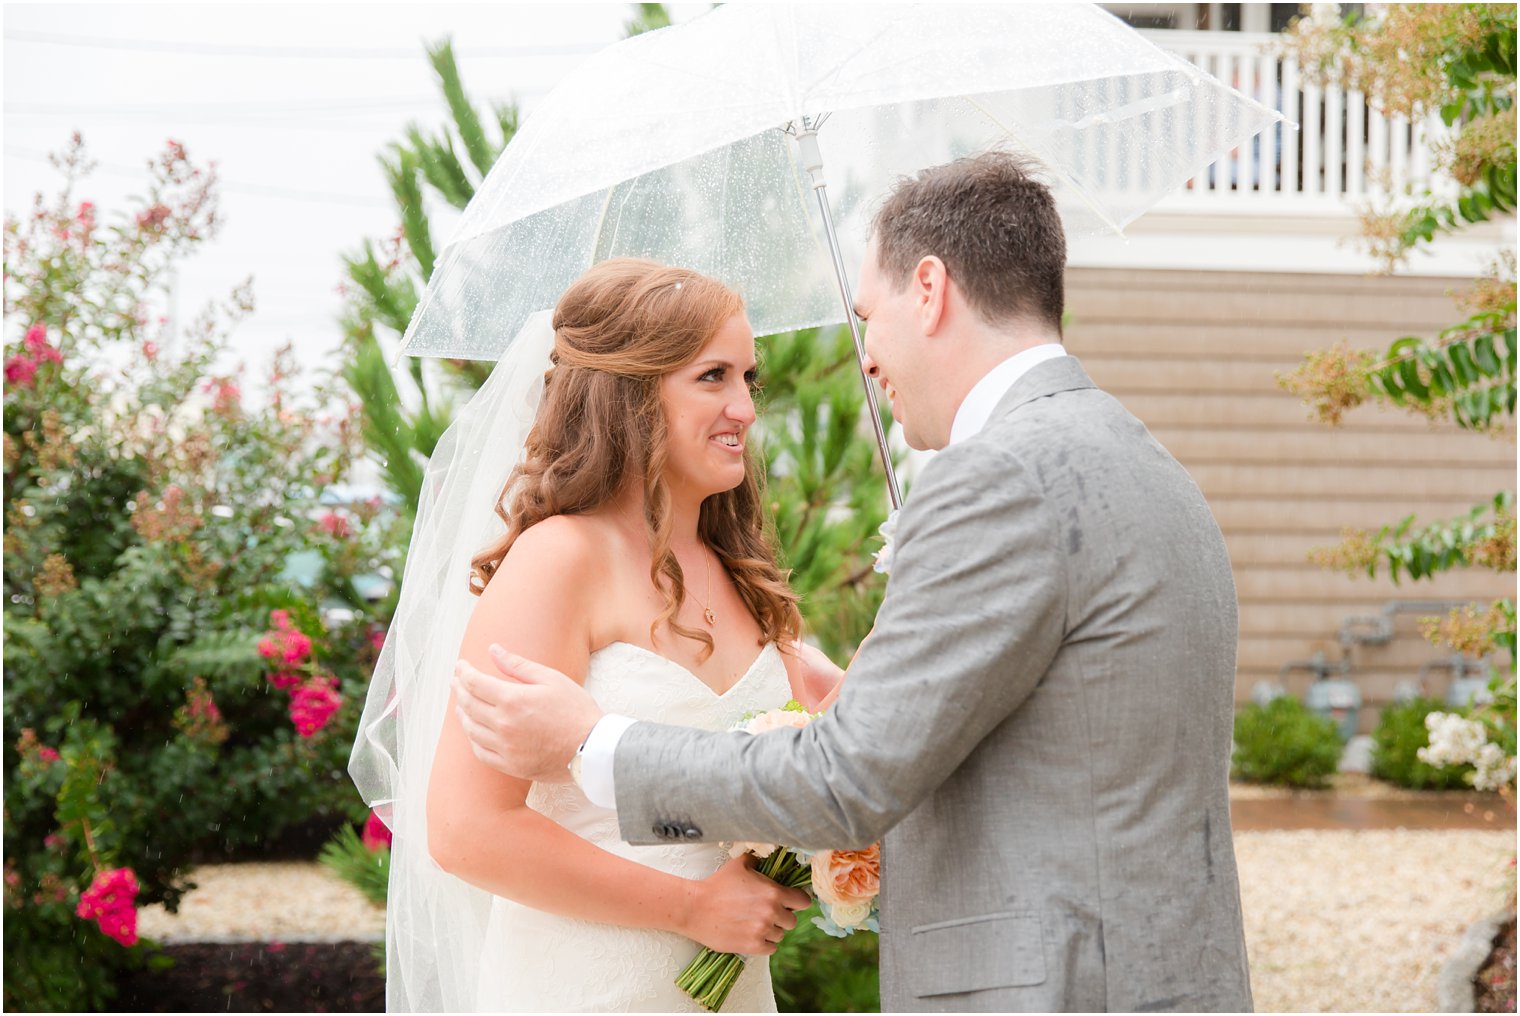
(596, 759)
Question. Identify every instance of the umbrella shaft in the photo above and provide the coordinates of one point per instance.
(893, 490)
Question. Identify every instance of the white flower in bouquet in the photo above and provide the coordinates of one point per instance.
(852, 915)
(760, 850)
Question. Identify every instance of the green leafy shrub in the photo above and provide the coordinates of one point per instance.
(1399, 736)
(152, 714)
(363, 862)
(814, 972)
(1284, 743)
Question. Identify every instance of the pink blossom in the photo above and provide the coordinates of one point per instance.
(150, 350)
(335, 525)
(280, 619)
(377, 638)
(20, 370)
(267, 648)
(228, 396)
(49, 755)
(52, 841)
(297, 646)
(153, 219)
(111, 901)
(286, 679)
(376, 833)
(313, 704)
(86, 219)
(202, 706)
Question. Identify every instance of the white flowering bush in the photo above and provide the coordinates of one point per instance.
(1486, 740)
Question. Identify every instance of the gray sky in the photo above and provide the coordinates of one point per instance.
(293, 102)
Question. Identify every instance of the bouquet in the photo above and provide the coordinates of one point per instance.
(844, 882)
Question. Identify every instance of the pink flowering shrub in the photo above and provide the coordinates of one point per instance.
(152, 526)
(21, 368)
(312, 704)
(285, 645)
(314, 696)
(335, 525)
(111, 902)
(376, 833)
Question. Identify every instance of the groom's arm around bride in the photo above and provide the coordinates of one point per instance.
(1040, 722)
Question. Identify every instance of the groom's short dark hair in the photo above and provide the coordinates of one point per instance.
(993, 225)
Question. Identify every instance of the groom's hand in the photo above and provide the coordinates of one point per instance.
(527, 723)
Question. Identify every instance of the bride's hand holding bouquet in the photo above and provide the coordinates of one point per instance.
(845, 882)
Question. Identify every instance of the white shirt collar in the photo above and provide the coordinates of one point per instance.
(984, 396)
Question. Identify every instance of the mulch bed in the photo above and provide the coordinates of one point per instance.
(259, 977)
(1496, 980)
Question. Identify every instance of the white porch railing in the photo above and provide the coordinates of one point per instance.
(1344, 153)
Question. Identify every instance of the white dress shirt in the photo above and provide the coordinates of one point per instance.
(596, 775)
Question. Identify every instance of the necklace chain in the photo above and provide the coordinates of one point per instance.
(707, 611)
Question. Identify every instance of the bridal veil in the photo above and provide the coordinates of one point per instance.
(435, 923)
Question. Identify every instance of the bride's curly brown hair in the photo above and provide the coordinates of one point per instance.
(619, 329)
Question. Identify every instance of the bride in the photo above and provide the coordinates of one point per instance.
(634, 557)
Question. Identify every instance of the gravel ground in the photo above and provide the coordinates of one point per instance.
(1361, 921)
(290, 901)
(1336, 921)
(1356, 785)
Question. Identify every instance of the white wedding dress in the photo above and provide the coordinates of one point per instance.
(539, 962)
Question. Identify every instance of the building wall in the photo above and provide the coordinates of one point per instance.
(1194, 354)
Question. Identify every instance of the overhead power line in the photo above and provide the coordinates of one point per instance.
(213, 49)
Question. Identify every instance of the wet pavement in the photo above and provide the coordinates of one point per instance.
(1336, 811)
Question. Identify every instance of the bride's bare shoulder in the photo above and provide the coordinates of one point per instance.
(567, 543)
(547, 578)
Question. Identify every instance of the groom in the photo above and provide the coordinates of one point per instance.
(1039, 726)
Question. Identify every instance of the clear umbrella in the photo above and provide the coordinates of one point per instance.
(704, 146)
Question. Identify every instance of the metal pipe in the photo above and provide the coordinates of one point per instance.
(806, 137)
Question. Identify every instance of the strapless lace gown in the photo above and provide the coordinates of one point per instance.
(534, 961)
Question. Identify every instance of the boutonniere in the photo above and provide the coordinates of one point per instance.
(883, 556)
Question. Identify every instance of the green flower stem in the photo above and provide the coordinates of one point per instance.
(711, 975)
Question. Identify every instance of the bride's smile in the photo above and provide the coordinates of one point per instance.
(709, 407)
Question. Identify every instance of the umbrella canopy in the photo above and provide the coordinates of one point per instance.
(671, 146)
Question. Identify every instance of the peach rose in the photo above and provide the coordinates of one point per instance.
(848, 880)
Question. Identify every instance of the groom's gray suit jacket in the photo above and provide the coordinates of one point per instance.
(1039, 726)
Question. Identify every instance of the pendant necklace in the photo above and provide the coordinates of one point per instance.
(707, 612)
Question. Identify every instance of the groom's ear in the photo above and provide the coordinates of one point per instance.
(931, 290)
